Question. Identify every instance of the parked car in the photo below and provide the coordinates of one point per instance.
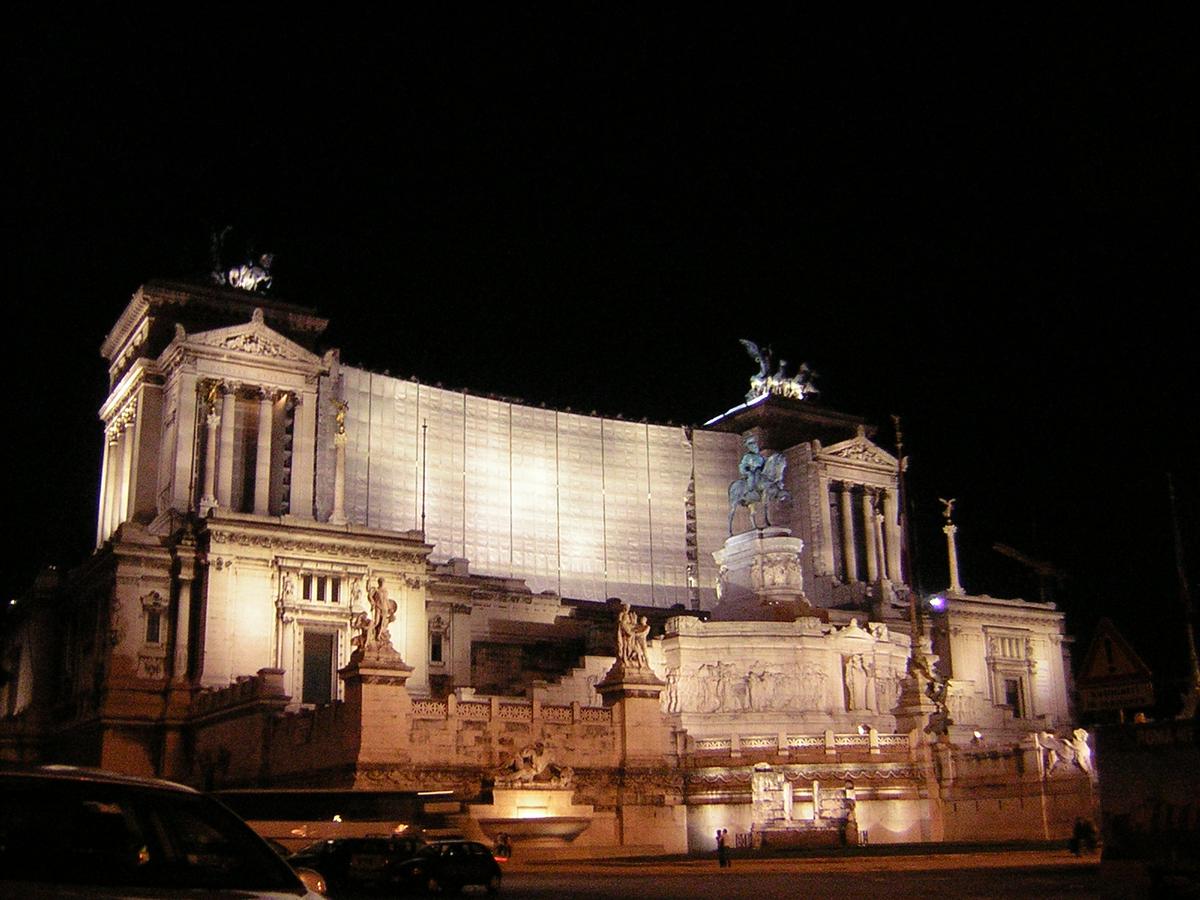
(448, 866)
(358, 865)
(67, 831)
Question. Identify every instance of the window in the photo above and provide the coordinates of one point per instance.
(154, 609)
(320, 588)
(153, 626)
(435, 648)
(1011, 665)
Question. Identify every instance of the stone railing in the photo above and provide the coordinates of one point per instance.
(828, 743)
(496, 710)
(266, 686)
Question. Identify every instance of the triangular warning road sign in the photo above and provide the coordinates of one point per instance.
(1111, 657)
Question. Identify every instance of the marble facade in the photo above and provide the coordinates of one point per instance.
(255, 494)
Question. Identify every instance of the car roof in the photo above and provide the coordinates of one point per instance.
(96, 776)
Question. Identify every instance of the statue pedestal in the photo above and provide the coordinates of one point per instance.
(761, 578)
(632, 692)
(378, 701)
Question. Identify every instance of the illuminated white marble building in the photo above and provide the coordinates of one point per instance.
(255, 494)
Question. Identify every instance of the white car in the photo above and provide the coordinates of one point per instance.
(71, 832)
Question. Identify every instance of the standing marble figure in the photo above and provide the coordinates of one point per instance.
(383, 613)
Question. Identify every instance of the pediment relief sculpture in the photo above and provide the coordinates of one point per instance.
(860, 449)
(255, 338)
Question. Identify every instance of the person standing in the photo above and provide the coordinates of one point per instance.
(722, 849)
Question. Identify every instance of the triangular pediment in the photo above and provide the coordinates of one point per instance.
(253, 338)
(859, 449)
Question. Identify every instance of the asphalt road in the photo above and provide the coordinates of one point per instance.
(1049, 873)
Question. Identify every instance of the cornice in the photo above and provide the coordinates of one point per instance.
(280, 537)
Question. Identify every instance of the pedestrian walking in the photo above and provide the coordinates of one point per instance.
(722, 848)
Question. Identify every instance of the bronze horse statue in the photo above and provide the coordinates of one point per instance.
(759, 488)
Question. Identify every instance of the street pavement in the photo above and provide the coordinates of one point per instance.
(1014, 873)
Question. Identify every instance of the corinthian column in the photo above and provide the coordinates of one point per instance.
(849, 554)
(877, 537)
(262, 465)
(868, 519)
(225, 456)
(826, 543)
(891, 535)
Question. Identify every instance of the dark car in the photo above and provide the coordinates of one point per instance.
(66, 831)
(448, 866)
(359, 865)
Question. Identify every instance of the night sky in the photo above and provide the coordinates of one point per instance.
(984, 227)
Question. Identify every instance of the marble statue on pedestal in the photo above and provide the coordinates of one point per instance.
(632, 632)
(383, 613)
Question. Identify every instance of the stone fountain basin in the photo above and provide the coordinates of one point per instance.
(532, 829)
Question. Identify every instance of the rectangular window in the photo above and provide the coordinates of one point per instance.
(435, 648)
(321, 582)
(153, 626)
(335, 590)
(318, 666)
(306, 582)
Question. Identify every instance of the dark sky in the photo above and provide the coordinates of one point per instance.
(982, 226)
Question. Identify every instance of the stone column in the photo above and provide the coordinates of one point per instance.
(952, 551)
(877, 537)
(126, 485)
(849, 554)
(188, 453)
(892, 535)
(113, 517)
(304, 443)
(105, 475)
(262, 466)
(338, 516)
(208, 499)
(225, 455)
(826, 543)
(183, 609)
(868, 519)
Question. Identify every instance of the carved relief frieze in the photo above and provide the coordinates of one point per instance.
(726, 777)
(721, 687)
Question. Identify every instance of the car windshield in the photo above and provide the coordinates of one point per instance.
(63, 831)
